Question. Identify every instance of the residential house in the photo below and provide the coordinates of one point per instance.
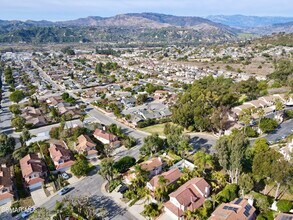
(33, 116)
(170, 176)
(183, 164)
(6, 185)
(284, 216)
(53, 101)
(33, 171)
(159, 94)
(189, 196)
(62, 157)
(87, 146)
(107, 138)
(154, 166)
(128, 102)
(237, 209)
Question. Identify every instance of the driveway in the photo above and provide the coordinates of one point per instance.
(39, 196)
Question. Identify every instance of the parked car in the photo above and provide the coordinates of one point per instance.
(65, 176)
(64, 191)
(27, 212)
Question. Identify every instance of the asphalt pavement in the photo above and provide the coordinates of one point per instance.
(5, 114)
(282, 132)
(90, 186)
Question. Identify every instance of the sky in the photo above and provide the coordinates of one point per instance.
(58, 10)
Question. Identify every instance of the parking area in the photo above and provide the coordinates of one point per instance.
(39, 196)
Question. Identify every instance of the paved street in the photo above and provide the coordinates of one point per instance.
(284, 130)
(5, 114)
(91, 186)
(107, 120)
(203, 140)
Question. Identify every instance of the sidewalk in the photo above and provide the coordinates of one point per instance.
(135, 210)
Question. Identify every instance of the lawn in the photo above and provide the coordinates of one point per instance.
(158, 128)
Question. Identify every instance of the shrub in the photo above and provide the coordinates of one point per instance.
(284, 205)
(229, 193)
(124, 164)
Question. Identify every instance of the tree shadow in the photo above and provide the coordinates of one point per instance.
(113, 209)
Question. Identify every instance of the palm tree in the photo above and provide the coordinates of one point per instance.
(162, 190)
(59, 209)
(141, 177)
(202, 160)
(184, 147)
(188, 215)
(245, 117)
(260, 113)
(279, 105)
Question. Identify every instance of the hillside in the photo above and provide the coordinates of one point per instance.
(242, 21)
(143, 28)
(275, 28)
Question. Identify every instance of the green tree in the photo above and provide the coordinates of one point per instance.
(15, 109)
(26, 135)
(141, 98)
(17, 96)
(107, 170)
(284, 205)
(151, 210)
(246, 116)
(184, 147)
(229, 193)
(260, 145)
(268, 125)
(80, 167)
(231, 153)
(161, 191)
(7, 145)
(18, 122)
(246, 183)
(55, 132)
(173, 134)
(99, 68)
(141, 177)
(41, 213)
(124, 164)
(202, 160)
(152, 144)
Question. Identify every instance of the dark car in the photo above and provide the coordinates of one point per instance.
(122, 189)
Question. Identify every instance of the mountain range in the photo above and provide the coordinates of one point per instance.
(151, 28)
(242, 21)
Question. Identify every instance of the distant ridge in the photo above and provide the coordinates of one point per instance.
(132, 27)
(243, 21)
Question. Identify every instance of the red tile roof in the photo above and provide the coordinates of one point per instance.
(105, 135)
(151, 164)
(171, 176)
(65, 164)
(84, 142)
(190, 195)
(238, 209)
(57, 152)
(34, 181)
(5, 176)
(31, 163)
(6, 195)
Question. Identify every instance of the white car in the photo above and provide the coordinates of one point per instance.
(27, 212)
(65, 176)
(64, 191)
